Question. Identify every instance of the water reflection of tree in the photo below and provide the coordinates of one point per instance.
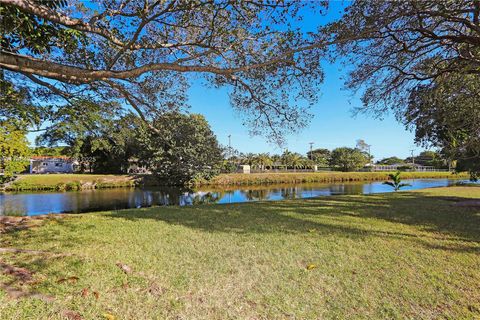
(349, 188)
(290, 192)
(256, 195)
(203, 198)
(163, 196)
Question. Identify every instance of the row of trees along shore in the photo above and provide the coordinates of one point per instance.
(339, 159)
(182, 148)
(65, 63)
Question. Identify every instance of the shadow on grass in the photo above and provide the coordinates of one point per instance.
(348, 216)
(432, 222)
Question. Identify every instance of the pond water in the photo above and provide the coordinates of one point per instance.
(122, 198)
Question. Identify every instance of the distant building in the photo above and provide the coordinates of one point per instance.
(401, 166)
(47, 164)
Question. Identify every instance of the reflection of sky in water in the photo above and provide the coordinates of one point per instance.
(113, 199)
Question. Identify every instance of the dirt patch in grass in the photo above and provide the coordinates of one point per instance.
(20, 280)
(11, 223)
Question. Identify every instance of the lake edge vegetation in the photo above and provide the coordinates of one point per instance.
(75, 182)
(320, 177)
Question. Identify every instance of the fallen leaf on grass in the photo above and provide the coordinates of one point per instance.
(156, 290)
(84, 292)
(124, 268)
(72, 315)
(96, 295)
(72, 279)
(311, 266)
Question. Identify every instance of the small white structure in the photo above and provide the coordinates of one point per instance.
(45, 164)
(243, 168)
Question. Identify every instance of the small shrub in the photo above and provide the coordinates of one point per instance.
(396, 182)
(61, 186)
(73, 186)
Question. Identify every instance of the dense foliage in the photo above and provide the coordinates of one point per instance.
(14, 149)
(67, 64)
(320, 157)
(348, 159)
(182, 148)
(446, 114)
(420, 59)
(390, 161)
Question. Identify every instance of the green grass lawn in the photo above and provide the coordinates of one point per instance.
(412, 255)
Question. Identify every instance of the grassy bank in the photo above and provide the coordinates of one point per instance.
(65, 182)
(305, 177)
(409, 255)
(62, 182)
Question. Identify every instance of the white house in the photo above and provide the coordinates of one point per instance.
(46, 164)
(397, 166)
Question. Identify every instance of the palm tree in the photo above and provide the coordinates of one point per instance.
(285, 158)
(307, 163)
(263, 160)
(296, 161)
(249, 159)
(396, 183)
(276, 160)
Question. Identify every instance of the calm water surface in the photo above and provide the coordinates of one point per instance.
(112, 199)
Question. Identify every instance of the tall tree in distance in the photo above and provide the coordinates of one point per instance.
(320, 156)
(364, 147)
(348, 159)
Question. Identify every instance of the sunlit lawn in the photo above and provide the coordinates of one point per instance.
(407, 255)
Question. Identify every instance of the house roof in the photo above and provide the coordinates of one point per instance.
(63, 158)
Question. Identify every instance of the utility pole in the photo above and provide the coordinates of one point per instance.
(369, 154)
(413, 159)
(230, 145)
(311, 146)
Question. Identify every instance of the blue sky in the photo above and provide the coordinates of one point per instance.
(333, 124)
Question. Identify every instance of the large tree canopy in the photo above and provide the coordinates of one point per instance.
(420, 59)
(143, 52)
(183, 148)
(394, 46)
(348, 159)
(446, 114)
